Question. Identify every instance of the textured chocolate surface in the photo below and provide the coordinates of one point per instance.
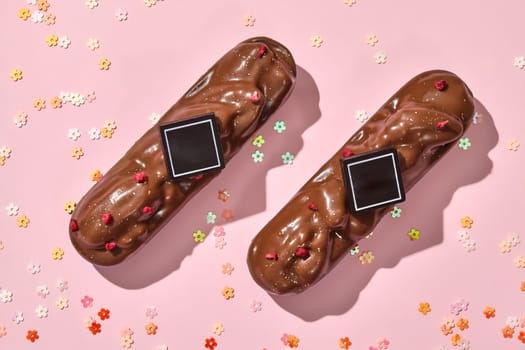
(315, 229)
(136, 197)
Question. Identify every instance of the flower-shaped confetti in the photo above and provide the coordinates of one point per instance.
(287, 158)
(228, 293)
(12, 209)
(519, 262)
(91, 3)
(6, 296)
(345, 343)
(292, 341)
(103, 314)
(95, 327)
(380, 58)
(258, 141)
(354, 250)
(513, 145)
(316, 41)
(57, 254)
(466, 222)
(42, 291)
(396, 212)
(227, 268)
(463, 235)
(257, 156)
(514, 240)
(361, 115)
(519, 62)
(507, 332)
(489, 312)
(414, 234)
(210, 343)
(371, 40)
(34, 268)
(39, 104)
(18, 317)
(77, 152)
(52, 40)
(49, 19)
(32, 335)
(462, 324)
(350, 2)
(90, 96)
(464, 143)
(220, 242)
(93, 44)
(86, 301)
(521, 337)
(447, 325)
(64, 42)
(16, 74)
(150, 3)
(3, 330)
(223, 195)
(37, 16)
(73, 134)
(469, 245)
(104, 64)
(366, 257)
(62, 285)
(218, 328)
(249, 20)
(151, 312)
(24, 14)
(424, 308)
(94, 134)
(198, 236)
(210, 218)
(62, 303)
(154, 118)
(255, 305)
(5, 152)
(22, 221)
(107, 133)
(20, 119)
(512, 321)
(56, 102)
(505, 246)
(121, 15)
(70, 206)
(279, 126)
(151, 328)
(41, 311)
(126, 342)
(42, 5)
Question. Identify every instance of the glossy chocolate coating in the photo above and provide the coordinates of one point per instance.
(258, 67)
(408, 122)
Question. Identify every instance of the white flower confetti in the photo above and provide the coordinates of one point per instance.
(73, 134)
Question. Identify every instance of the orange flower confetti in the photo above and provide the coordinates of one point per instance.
(22, 221)
(292, 341)
(42, 5)
(16, 74)
(345, 343)
(489, 312)
(104, 64)
(77, 152)
(107, 133)
(39, 104)
(32, 335)
(466, 222)
(151, 328)
(96, 175)
(56, 102)
(424, 308)
(462, 324)
(522, 287)
(228, 293)
(455, 339)
(507, 332)
(521, 337)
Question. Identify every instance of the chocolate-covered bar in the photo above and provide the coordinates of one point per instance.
(137, 196)
(316, 228)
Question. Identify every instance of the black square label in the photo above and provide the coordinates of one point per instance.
(373, 180)
(192, 146)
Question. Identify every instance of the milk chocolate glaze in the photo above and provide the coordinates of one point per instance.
(306, 239)
(136, 197)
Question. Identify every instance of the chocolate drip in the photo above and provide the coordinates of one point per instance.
(140, 206)
(421, 121)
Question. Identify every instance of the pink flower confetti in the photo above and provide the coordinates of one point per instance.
(62, 285)
(284, 339)
(255, 305)
(87, 301)
(218, 231)
(382, 343)
(151, 312)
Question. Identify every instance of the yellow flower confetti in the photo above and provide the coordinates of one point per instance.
(228, 293)
(16, 74)
(104, 64)
(52, 40)
(22, 221)
(57, 254)
(69, 207)
(24, 13)
(466, 222)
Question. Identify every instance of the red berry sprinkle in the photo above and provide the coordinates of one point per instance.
(141, 177)
(110, 246)
(107, 218)
(440, 85)
(312, 206)
(254, 98)
(197, 177)
(301, 252)
(347, 153)
(73, 225)
(262, 51)
(147, 209)
(271, 256)
(441, 124)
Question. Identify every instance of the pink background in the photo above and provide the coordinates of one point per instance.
(156, 55)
